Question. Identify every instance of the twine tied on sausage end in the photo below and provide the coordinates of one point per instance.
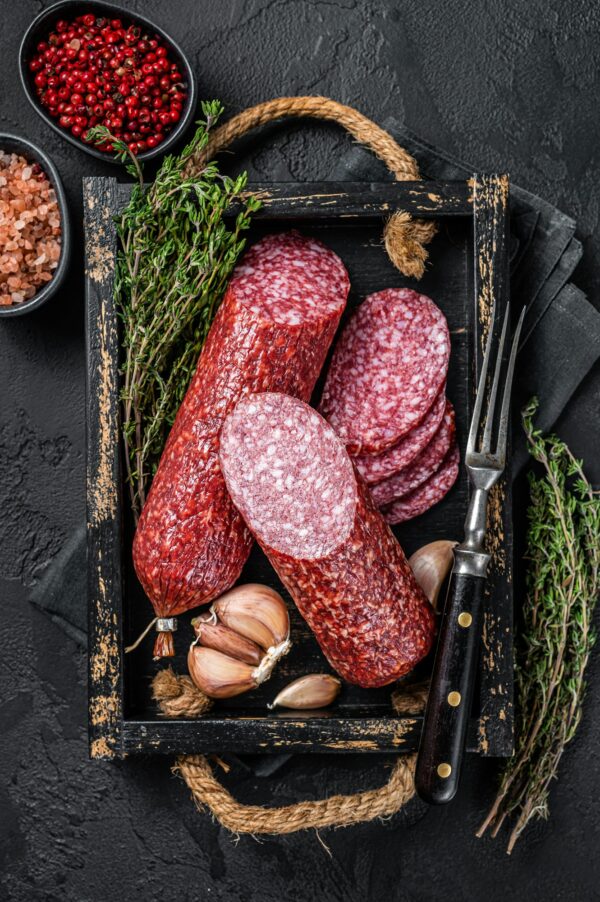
(404, 237)
(177, 696)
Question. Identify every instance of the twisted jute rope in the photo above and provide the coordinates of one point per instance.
(404, 237)
(177, 696)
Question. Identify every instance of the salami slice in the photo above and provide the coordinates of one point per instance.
(291, 478)
(388, 366)
(375, 468)
(422, 467)
(272, 331)
(428, 494)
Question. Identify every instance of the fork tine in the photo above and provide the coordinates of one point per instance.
(503, 427)
(486, 443)
(476, 416)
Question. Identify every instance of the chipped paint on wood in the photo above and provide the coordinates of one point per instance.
(102, 497)
(491, 198)
(103, 472)
(99, 260)
(356, 199)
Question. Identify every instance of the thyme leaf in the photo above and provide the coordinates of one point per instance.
(175, 257)
(554, 645)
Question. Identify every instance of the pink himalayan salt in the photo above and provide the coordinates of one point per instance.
(30, 232)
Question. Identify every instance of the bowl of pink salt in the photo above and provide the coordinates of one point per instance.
(34, 227)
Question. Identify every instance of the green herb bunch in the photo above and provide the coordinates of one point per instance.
(176, 254)
(553, 647)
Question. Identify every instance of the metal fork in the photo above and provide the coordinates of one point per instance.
(446, 719)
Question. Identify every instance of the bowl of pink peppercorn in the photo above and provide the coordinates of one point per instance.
(89, 64)
(35, 241)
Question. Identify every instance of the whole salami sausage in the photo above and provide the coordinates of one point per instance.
(291, 478)
(272, 331)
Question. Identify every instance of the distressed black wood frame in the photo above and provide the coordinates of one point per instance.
(482, 198)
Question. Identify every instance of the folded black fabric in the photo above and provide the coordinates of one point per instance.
(557, 279)
(559, 352)
(62, 590)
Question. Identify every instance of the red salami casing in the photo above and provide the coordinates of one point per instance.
(291, 478)
(272, 331)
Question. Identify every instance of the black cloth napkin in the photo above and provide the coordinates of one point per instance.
(561, 341)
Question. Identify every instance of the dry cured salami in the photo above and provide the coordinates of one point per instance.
(388, 367)
(291, 478)
(375, 468)
(272, 331)
(425, 496)
(424, 466)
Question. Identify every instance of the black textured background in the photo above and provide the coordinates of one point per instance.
(506, 85)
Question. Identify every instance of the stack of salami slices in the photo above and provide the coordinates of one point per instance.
(385, 395)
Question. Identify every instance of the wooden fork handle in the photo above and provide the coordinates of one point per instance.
(447, 716)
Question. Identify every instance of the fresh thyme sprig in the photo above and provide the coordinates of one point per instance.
(553, 648)
(176, 254)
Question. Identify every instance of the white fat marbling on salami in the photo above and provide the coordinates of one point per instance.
(426, 495)
(375, 468)
(388, 366)
(422, 467)
(291, 279)
(289, 475)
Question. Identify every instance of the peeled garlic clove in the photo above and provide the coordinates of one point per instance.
(212, 634)
(431, 565)
(316, 690)
(218, 675)
(257, 612)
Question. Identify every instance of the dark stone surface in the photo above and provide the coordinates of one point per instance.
(507, 85)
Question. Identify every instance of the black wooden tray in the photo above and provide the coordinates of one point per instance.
(468, 268)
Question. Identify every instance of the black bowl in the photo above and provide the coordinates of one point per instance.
(33, 154)
(41, 27)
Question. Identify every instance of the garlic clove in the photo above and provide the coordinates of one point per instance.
(256, 612)
(249, 627)
(431, 564)
(316, 690)
(218, 675)
(212, 634)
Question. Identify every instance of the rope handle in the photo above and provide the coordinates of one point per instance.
(404, 237)
(177, 696)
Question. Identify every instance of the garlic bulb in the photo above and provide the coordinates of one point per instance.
(431, 565)
(316, 690)
(239, 641)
